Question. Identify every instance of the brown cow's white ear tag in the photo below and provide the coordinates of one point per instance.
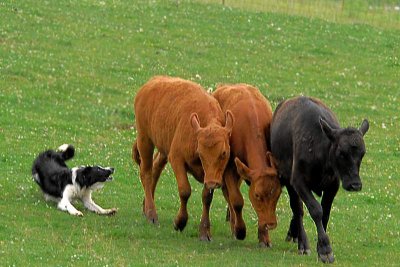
(194, 121)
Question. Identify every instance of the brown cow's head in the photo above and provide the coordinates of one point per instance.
(213, 148)
(264, 193)
(346, 153)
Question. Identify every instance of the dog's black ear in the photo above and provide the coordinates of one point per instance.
(86, 170)
(83, 176)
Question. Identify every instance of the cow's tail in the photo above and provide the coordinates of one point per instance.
(135, 153)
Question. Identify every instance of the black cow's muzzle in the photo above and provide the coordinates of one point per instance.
(355, 186)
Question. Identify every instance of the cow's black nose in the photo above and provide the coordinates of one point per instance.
(354, 187)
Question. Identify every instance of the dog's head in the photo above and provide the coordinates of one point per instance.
(93, 176)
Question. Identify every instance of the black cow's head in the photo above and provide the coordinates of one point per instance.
(346, 153)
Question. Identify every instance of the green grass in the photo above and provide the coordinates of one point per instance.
(69, 71)
(381, 13)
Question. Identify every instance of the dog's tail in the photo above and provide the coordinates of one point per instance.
(135, 153)
(66, 151)
(35, 176)
(36, 173)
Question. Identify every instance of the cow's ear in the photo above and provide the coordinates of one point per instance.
(364, 127)
(243, 170)
(271, 162)
(194, 121)
(330, 133)
(229, 120)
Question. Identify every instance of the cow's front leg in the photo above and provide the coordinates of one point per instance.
(236, 203)
(326, 203)
(178, 165)
(296, 232)
(323, 246)
(204, 228)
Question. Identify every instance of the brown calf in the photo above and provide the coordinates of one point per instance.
(185, 124)
(250, 159)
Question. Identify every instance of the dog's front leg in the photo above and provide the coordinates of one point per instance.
(66, 205)
(65, 202)
(90, 205)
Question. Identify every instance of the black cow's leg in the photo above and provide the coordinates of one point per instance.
(326, 202)
(296, 230)
(323, 246)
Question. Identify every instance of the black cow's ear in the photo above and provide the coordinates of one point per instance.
(330, 133)
(243, 170)
(364, 127)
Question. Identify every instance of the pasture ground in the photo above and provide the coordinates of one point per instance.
(69, 71)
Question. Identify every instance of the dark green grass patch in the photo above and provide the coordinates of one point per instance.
(69, 71)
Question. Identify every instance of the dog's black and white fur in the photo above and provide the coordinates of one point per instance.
(63, 185)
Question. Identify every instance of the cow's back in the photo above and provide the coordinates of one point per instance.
(296, 132)
(253, 115)
(163, 107)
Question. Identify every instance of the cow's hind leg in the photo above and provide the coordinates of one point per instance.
(145, 149)
(159, 162)
(205, 225)
(178, 165)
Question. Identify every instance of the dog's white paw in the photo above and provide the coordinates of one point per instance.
(111, 211)
(77, 213)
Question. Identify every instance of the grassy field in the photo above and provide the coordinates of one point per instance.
(69, 71)
(381, 13)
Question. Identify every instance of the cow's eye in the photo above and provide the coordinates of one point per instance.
(223, 155)
(272, 191)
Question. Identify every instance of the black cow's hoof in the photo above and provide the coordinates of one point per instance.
(304, 251)
(328, 258)
(290, 238)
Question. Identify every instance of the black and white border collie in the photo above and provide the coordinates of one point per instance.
(63, 185)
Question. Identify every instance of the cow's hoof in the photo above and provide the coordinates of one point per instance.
(265, 244)
(179, 224)
(152, 217)
(205, 237)
(304, 251)
(290, 238)
(240, 233)
(327, 258)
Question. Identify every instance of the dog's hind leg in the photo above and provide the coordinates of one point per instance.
(90, 205)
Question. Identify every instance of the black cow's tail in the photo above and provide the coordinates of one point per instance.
(66, 151)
